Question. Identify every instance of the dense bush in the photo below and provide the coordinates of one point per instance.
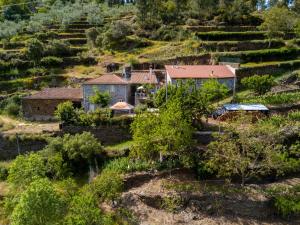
(51, 61)
(34, 49)
(40, 203)
(11, 105)
(108, 185)
(286, 200)
(259, 84)
(25, 169)
(58, 48)
(3, 173)
(83, 209)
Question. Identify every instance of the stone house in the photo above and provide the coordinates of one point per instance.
(122, 88)
(225, 74)
(42, 105)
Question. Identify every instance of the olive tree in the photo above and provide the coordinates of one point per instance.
(245, 151)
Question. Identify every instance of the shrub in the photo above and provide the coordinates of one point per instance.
(12, 109)
(286, 200)
(66, 113)
(36, 71)
(58, 48)
(3, 173)
(108, 185)
(34, 49)
(25, 169)
(51, 61)
(39, 204)
(83, 209)
(259, 84)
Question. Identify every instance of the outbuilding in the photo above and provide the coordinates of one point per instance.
(42, 105)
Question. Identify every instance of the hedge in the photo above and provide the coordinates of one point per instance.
(237, 36)
(221, 28)
(223, 46)
(270, 68)
(259, 55)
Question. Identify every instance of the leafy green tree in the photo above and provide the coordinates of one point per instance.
(277, 22)
(100, 98)
(244, 152)
(25, 169)
(116, 35)
(259, 84)
(83, 209)
(168, 133)
(39, 204)
(81, 146)
(195, 102)
(34, 49)
(66, 112)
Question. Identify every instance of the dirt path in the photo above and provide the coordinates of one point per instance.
(201, 206)
(24, 127)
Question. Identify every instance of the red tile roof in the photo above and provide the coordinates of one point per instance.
(143, 77)
(107, 79)
(74, 94)
(200, 71)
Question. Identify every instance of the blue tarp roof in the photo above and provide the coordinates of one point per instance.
(245, 107)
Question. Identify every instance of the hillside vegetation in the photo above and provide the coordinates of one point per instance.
(163, 173)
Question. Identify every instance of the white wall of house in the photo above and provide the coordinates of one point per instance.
(118, 92)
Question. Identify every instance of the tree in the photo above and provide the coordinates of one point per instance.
(39, 204)
(100, 98)
(244, 151)
(34, 49)
(259, 84)
(116, 35)
(83, 209)
(195, 101)
(25, 169)
(277, 22)
(66, 113)
(81, 146)
(168, 133)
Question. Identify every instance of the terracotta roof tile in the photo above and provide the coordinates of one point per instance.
(58, 93)
(143, 77)
(200, 71)
(107, 79)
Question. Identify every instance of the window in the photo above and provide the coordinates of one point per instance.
(112, 88)
(38, 108)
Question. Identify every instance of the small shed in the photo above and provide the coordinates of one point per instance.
(229, 110)
(42, 105)
(121, 108)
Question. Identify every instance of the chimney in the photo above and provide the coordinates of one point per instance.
(127, 72)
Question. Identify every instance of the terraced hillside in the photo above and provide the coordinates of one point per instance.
(18, 72)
